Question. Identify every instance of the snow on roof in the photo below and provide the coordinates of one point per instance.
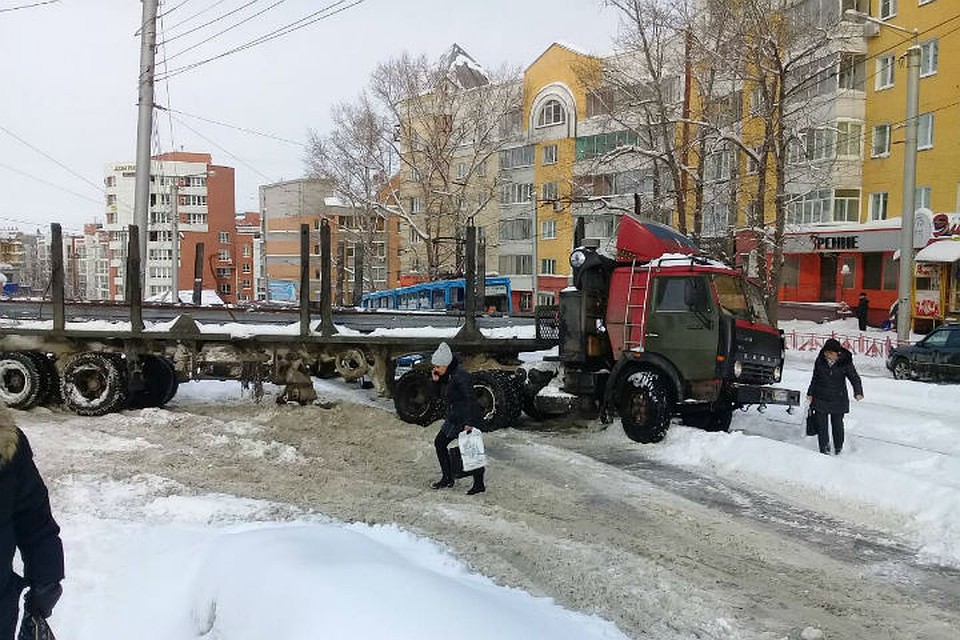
(572, 47)
(940, 251)
(873, 225)
(463, 70)
(674, 259)
(208, 297)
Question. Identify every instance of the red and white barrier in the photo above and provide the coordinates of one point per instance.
(861, 344)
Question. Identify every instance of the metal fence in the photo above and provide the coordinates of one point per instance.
(860, 344)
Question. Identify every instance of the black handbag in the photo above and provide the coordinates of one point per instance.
(812, 426)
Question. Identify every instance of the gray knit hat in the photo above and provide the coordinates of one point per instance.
(442, 357)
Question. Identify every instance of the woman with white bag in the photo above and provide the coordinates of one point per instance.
(462, 414)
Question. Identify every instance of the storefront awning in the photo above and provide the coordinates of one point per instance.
(941, 251)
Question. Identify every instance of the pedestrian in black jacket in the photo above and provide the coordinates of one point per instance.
(463, 412)
(27, 524)
(827, 394)
(863, 306)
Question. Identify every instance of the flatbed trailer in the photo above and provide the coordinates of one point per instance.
(94, 372)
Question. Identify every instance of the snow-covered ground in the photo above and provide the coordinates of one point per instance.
(150, 558)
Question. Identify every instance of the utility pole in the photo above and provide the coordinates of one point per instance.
(175, 253)
(905, 287)
(533, 286)
(141, 201)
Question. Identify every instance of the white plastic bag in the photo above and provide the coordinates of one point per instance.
(471, 449)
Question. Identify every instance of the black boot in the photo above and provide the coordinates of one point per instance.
(478, 486)
(442, 483)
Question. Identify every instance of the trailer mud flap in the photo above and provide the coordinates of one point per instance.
(767, 395)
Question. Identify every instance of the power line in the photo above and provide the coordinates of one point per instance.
(197, 14)
(232, 155)
(232, 126)
(210, 22)
(327, 12)
(49, 184)
(28, 6)
(230, 28)
(51, 159)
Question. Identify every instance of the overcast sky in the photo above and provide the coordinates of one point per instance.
(69, 68)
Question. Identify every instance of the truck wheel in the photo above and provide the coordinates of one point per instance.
(415, 398)
(159, 383)
(645, 407)
(94, 383)
(901, 369)
(49, 378)
(21, 383)
(351, 364)
(499, 402)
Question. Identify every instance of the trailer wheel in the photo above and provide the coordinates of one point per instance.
(499, 402)
(415, 398)
(645, 407)
(21, 383)
(49, 378)
(159, 383)
(351, 364)
(94, 383)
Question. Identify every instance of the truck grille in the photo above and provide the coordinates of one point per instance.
(547, 318)
(757, 373)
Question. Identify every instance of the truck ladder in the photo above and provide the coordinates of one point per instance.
(628, 327)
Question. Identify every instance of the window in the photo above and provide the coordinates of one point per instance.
(416, 205)
(716, 217)
(551, 113)
(516, 193)
(756, 100)
(511, 123)
(224, 237)
(245, 284)
(878, 205)
(852, 72)
(516, 157)
(550, 154)
(111, 181)
(891, 273)
(929, 55)
(818, 144)
(548, 192)
(246, 251)
(461, 169)
(548, 266)
(881, 141)
(884, 79)
(599, 102)
(482, 169)
(414, 236)
(518, 229)
(224, 255)
(925, 131)
(922, 197)
(519, 265)
(548, 229)
(223, 272)
(246, 267)
(888, 9)
(682, 294)
(846, 205)
(752, 165)
(848, 139)
(812, 207)
(225, 289)
(718, 166)
(191, 200)
(603, 143)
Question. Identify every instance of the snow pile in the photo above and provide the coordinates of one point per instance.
(149, 561)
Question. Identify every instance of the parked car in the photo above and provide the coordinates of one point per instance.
(936, 357)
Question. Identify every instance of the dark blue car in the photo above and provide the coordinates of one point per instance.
(936, 357)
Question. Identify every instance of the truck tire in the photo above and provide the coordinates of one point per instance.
(21, 382)
(645, 406)
(415, 398)
(94, 383)
(351, 364)
(498, 398)
(159, 380)
(49, 378)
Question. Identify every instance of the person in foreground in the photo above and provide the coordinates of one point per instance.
(27, 524)
(827, 394)
(462, 413)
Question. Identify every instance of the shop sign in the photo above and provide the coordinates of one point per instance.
(496, 290)
(946, 225)
(926, 304)
(840, 242)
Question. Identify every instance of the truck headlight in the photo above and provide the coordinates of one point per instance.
(737, 368)
(577, 258)
(776, 373)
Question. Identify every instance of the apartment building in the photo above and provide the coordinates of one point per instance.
(285, 206)
(247, 249)
(203, 213)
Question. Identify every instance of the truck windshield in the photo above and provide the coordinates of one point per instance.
(732, 298)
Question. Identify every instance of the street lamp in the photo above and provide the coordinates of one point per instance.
(904, 287)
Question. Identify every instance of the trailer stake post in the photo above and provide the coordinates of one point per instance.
(304, 279)
(197, 275)
(134, 289)
(469, 330)
(326, 307)
(57, 277)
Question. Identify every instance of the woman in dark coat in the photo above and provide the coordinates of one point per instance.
(26, 524)
(827, 394)
(463, 412)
